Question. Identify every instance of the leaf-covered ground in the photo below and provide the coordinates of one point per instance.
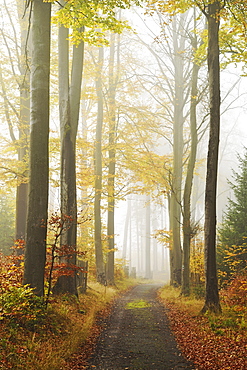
(210, 342)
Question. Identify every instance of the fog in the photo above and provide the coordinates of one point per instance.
(145, 117)
(233, 140)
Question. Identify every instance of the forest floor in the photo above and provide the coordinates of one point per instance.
(210, 341)
(149, 328)
(131, 325)
(136, 335)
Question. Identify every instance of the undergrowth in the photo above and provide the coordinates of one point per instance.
(35, 338)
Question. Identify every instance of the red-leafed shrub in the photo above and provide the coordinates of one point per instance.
(235, 294)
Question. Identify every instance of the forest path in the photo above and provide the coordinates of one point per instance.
(137, 335)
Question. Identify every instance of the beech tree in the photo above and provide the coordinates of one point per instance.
(212, 294)
(126, 229)
(174, 56)
(22, 188)
(211, 10)
(113, 79)
(69, 105)
(148, 238)
(187, 222)
(86, 27)
(100, 266)
(176, 185)
(18, 59)
(35, 251)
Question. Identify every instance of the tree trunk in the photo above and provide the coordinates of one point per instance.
(69, 105)
(147, 243)
(176, 252)
(185, 289)
(130, 241)
(24, 127)
(100, 267)
(155, 244)
(138, 243)
(21, 211)
(212, 295)
(111, 166)
(126, 229)
(35, 253)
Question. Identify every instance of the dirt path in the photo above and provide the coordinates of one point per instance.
(137, 336)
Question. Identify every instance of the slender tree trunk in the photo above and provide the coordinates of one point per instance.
(130, 241)
(24, 127)
(35, 253)
(69, 105)
(100, 267)
(138, 243)
(176, 252)
(155, 245)
(185, 290)
(111, 166)
(67, 191)
(212, 295)
(111, 243)
(163, 226)
(148, 238)
(126, 229)
(70, 162)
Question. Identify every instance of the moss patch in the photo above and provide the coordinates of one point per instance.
(137, 304)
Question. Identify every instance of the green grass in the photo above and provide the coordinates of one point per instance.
(190, 304)
(137, 304)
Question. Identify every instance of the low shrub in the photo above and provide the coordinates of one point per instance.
(235, 293)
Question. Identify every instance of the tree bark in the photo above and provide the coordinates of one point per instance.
(187, 230)
(176, 253)
(138, 241)
(212, 295)
(111, 166)
(69, 105)
(35, 253)
(126, 228)
(100, 266)
(155, 244)
(24, 127)
(130, 241)
(147, 240)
